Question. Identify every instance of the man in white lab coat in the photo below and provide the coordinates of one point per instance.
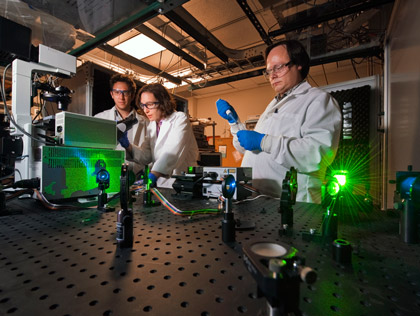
(170, 146)
(123, 91)
(299, 128)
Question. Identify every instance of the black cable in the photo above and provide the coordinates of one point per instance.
(354, 68)
(50, 140)
(33, 183)
(53, 206)
(313, 80)
(40, 108)
(325, 74)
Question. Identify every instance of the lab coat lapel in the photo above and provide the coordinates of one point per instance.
(276, 105)
(301, 89)
(164, 129)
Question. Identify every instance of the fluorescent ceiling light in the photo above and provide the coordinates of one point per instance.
(140, 46)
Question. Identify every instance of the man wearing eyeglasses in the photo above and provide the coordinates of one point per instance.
(299, 128)
(123, 91)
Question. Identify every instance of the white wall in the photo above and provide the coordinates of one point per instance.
(403, 99)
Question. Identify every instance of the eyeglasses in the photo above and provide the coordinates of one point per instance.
(149, 105)
(279, 70)
(119, 92)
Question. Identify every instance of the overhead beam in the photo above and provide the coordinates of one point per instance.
(188, 23)
(329, 12)
(245, 75)
(373, 49)
(251, 16)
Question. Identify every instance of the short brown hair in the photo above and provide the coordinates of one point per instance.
(166, 102)
(123, 78)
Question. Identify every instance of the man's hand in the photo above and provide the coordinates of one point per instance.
(250, 140)
(222, 107)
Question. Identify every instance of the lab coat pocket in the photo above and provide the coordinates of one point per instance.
(284, 123)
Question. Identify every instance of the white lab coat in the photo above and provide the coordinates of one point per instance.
(136, 134)
(172, 151)
(302, 131)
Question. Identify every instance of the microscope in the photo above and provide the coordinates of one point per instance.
(20, 139)
(61, 150)
(24, 87)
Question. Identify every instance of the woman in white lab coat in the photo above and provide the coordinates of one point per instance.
(170, 146)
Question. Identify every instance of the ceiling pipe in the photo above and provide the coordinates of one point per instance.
(254, 62)
(212, 83)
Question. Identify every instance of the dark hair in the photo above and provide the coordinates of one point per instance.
(166, 102)
(297, 54)
(123, 78)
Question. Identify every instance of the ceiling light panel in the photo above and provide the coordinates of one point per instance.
(140, 47)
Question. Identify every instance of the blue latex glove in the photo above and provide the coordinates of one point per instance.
(123, 140)
(250, 140)
(152, 180)
(222, 107)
